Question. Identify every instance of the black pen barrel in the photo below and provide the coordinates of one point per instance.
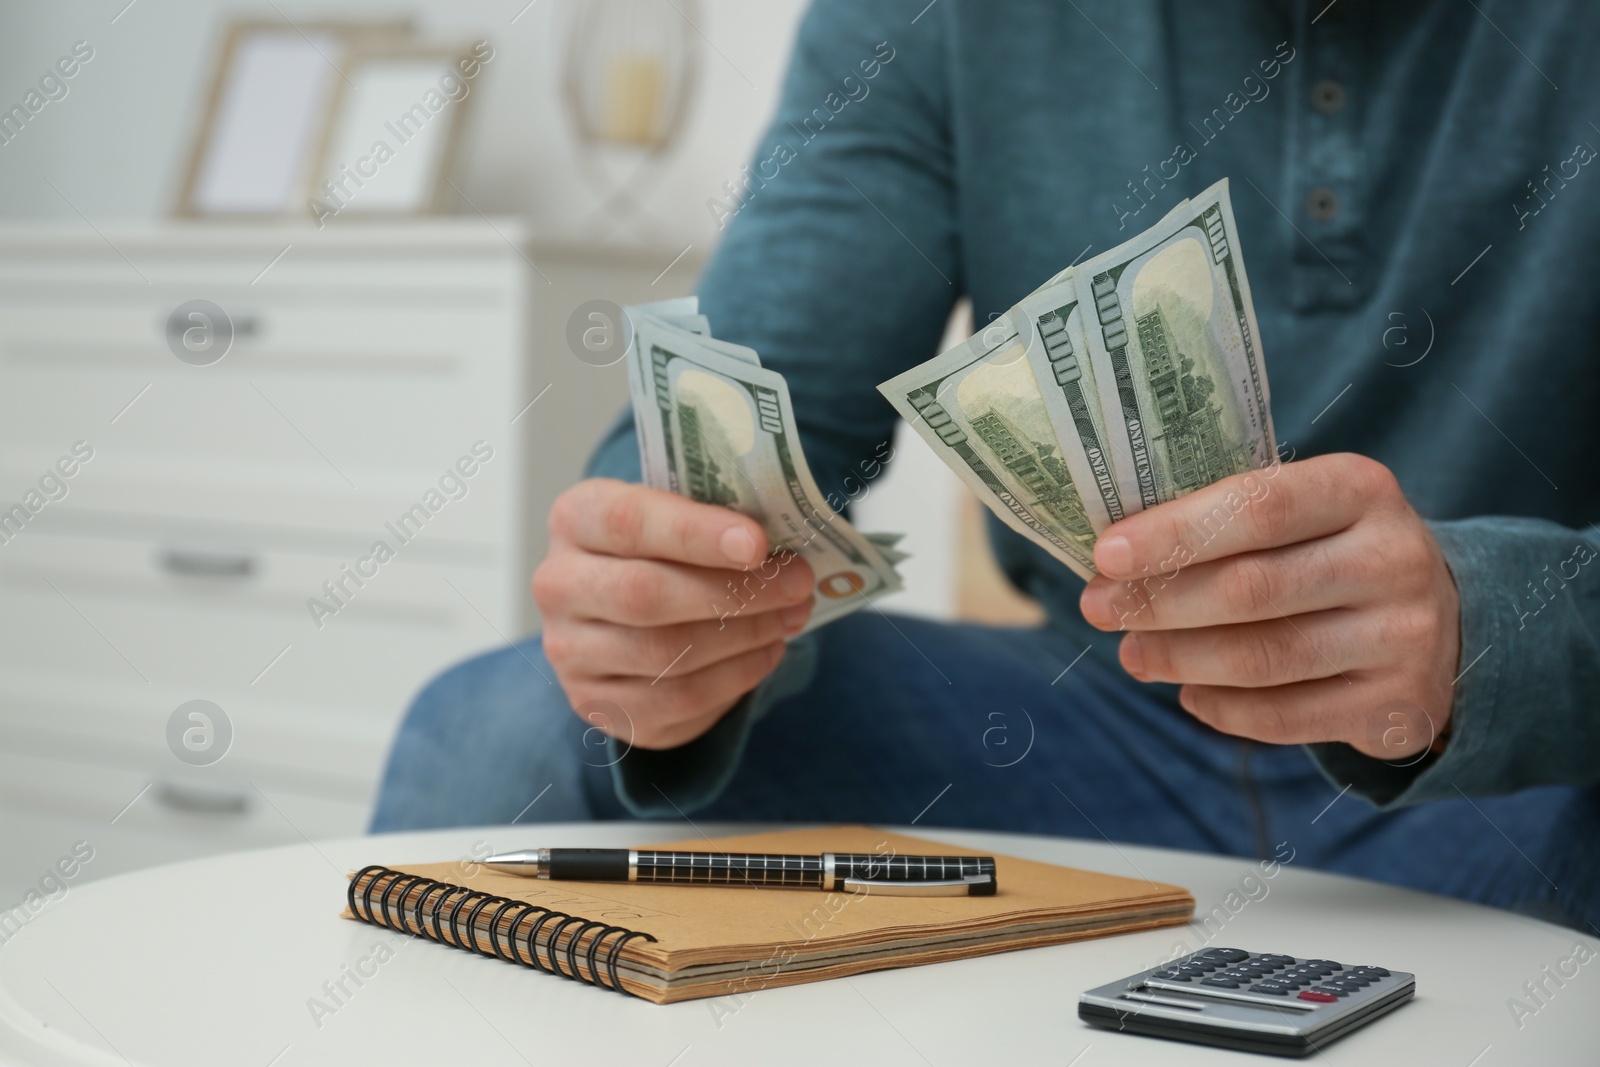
(731, 868)
(828, 871)
(589, 864)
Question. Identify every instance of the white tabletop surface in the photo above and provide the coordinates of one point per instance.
(216, 962)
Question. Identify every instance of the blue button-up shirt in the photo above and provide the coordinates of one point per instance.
(1418, 200)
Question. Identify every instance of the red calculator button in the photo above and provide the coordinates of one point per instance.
(1317, 995)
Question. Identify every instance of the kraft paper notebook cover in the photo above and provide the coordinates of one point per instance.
(668, 943)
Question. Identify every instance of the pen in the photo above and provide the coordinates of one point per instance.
(853, 872)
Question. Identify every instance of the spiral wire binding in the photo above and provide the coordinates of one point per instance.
(403, 904)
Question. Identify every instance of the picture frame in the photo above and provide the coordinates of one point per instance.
(395, 129)
(265, 114)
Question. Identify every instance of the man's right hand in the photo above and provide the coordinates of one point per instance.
(665, 607)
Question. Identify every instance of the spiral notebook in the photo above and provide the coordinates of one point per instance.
(668, 943)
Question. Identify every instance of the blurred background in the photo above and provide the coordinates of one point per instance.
(293, 301)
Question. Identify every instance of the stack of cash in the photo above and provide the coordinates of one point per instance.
(717, 427)
(1117, 385)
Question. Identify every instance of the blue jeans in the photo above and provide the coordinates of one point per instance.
(902, 721)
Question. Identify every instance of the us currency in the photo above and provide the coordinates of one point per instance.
(1051, 322)
(1144, 381)
(886, 543)
(1176, 354)
(980, 407)
(717, 427)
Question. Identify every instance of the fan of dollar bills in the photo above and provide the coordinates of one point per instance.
(717, 427)
(1117, 385)
(1127, 381)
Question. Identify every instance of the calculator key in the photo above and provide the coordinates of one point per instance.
(1318, 996)
(1222, 982)
(1371, 972)
(1226, 955)
(1328, 964)
(1281, 961)
(1275, 988)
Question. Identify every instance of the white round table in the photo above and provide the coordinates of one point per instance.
(222, 961)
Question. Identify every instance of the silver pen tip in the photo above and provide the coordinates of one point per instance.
(533, 863)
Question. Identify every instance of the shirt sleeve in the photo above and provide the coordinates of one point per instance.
(839, 264)
(1525, 711)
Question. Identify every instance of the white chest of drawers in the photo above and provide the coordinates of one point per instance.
(375, 393)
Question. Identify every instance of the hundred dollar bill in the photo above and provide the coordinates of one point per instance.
(1176, 354)
(717, 427)
(682, 312)
(1051, 322)
(980, 407)
(885, 543)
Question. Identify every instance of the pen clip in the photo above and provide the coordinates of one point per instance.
(972, 885)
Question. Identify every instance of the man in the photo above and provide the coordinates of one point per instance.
(1388, 659)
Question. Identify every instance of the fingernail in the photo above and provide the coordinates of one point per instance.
(795, 583)
(739, 546)
(1095, 603)
(1114, 556)
(1132, 656)
(794, 619)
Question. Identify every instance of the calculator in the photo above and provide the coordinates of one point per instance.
(1250, 1001)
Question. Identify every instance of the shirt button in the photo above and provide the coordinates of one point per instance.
(1323, 204)
(1327, 97)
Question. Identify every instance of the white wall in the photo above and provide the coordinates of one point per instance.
(114, 146)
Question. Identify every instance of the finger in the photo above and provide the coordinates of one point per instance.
(1281, 505)
(1328, 572)
(685, 696)
(595, 650)
(647, 592)
(1256, 654)
(1299, 714)
(637, 522)
(676, 710)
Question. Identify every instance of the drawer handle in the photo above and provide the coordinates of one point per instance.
(200, 800)
(220, 566)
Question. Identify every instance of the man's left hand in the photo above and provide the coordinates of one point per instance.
(1305, 602)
